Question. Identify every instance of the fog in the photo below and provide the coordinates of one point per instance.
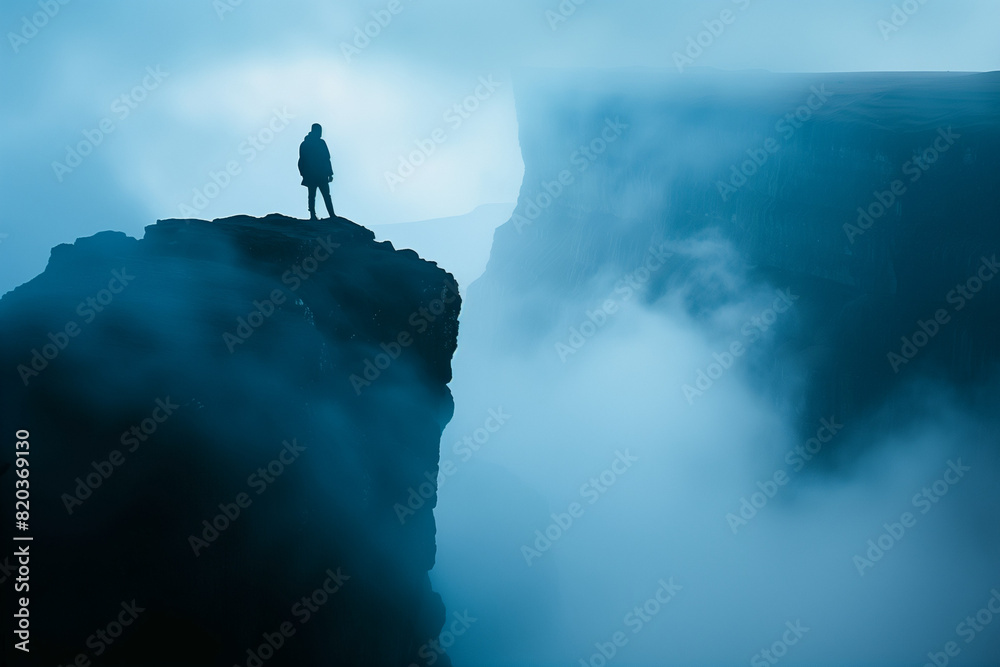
(635, 423)
(588, 479)
(676, 513)
(231, 64)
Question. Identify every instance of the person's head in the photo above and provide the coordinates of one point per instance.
(317, 129)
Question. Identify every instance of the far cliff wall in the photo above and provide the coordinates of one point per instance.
(778, 166)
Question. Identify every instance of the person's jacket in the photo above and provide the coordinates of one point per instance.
(314, 161)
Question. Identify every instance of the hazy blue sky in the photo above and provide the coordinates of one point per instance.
(226, 70)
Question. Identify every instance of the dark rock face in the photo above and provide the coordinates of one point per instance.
(777, 166)
(225, 420)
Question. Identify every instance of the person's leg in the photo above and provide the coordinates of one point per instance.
(325, 189)
(312, 201)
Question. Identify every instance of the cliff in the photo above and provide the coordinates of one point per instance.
(871, 195)
(225, 421)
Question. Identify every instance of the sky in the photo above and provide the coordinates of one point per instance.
(195, 108)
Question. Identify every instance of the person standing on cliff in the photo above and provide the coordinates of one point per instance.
(316, 170)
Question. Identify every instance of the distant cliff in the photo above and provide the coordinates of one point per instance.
(225, 418)
(872, 195)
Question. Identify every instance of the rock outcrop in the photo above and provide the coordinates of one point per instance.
(227, 420)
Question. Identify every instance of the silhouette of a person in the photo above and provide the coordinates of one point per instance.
(316, 170)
